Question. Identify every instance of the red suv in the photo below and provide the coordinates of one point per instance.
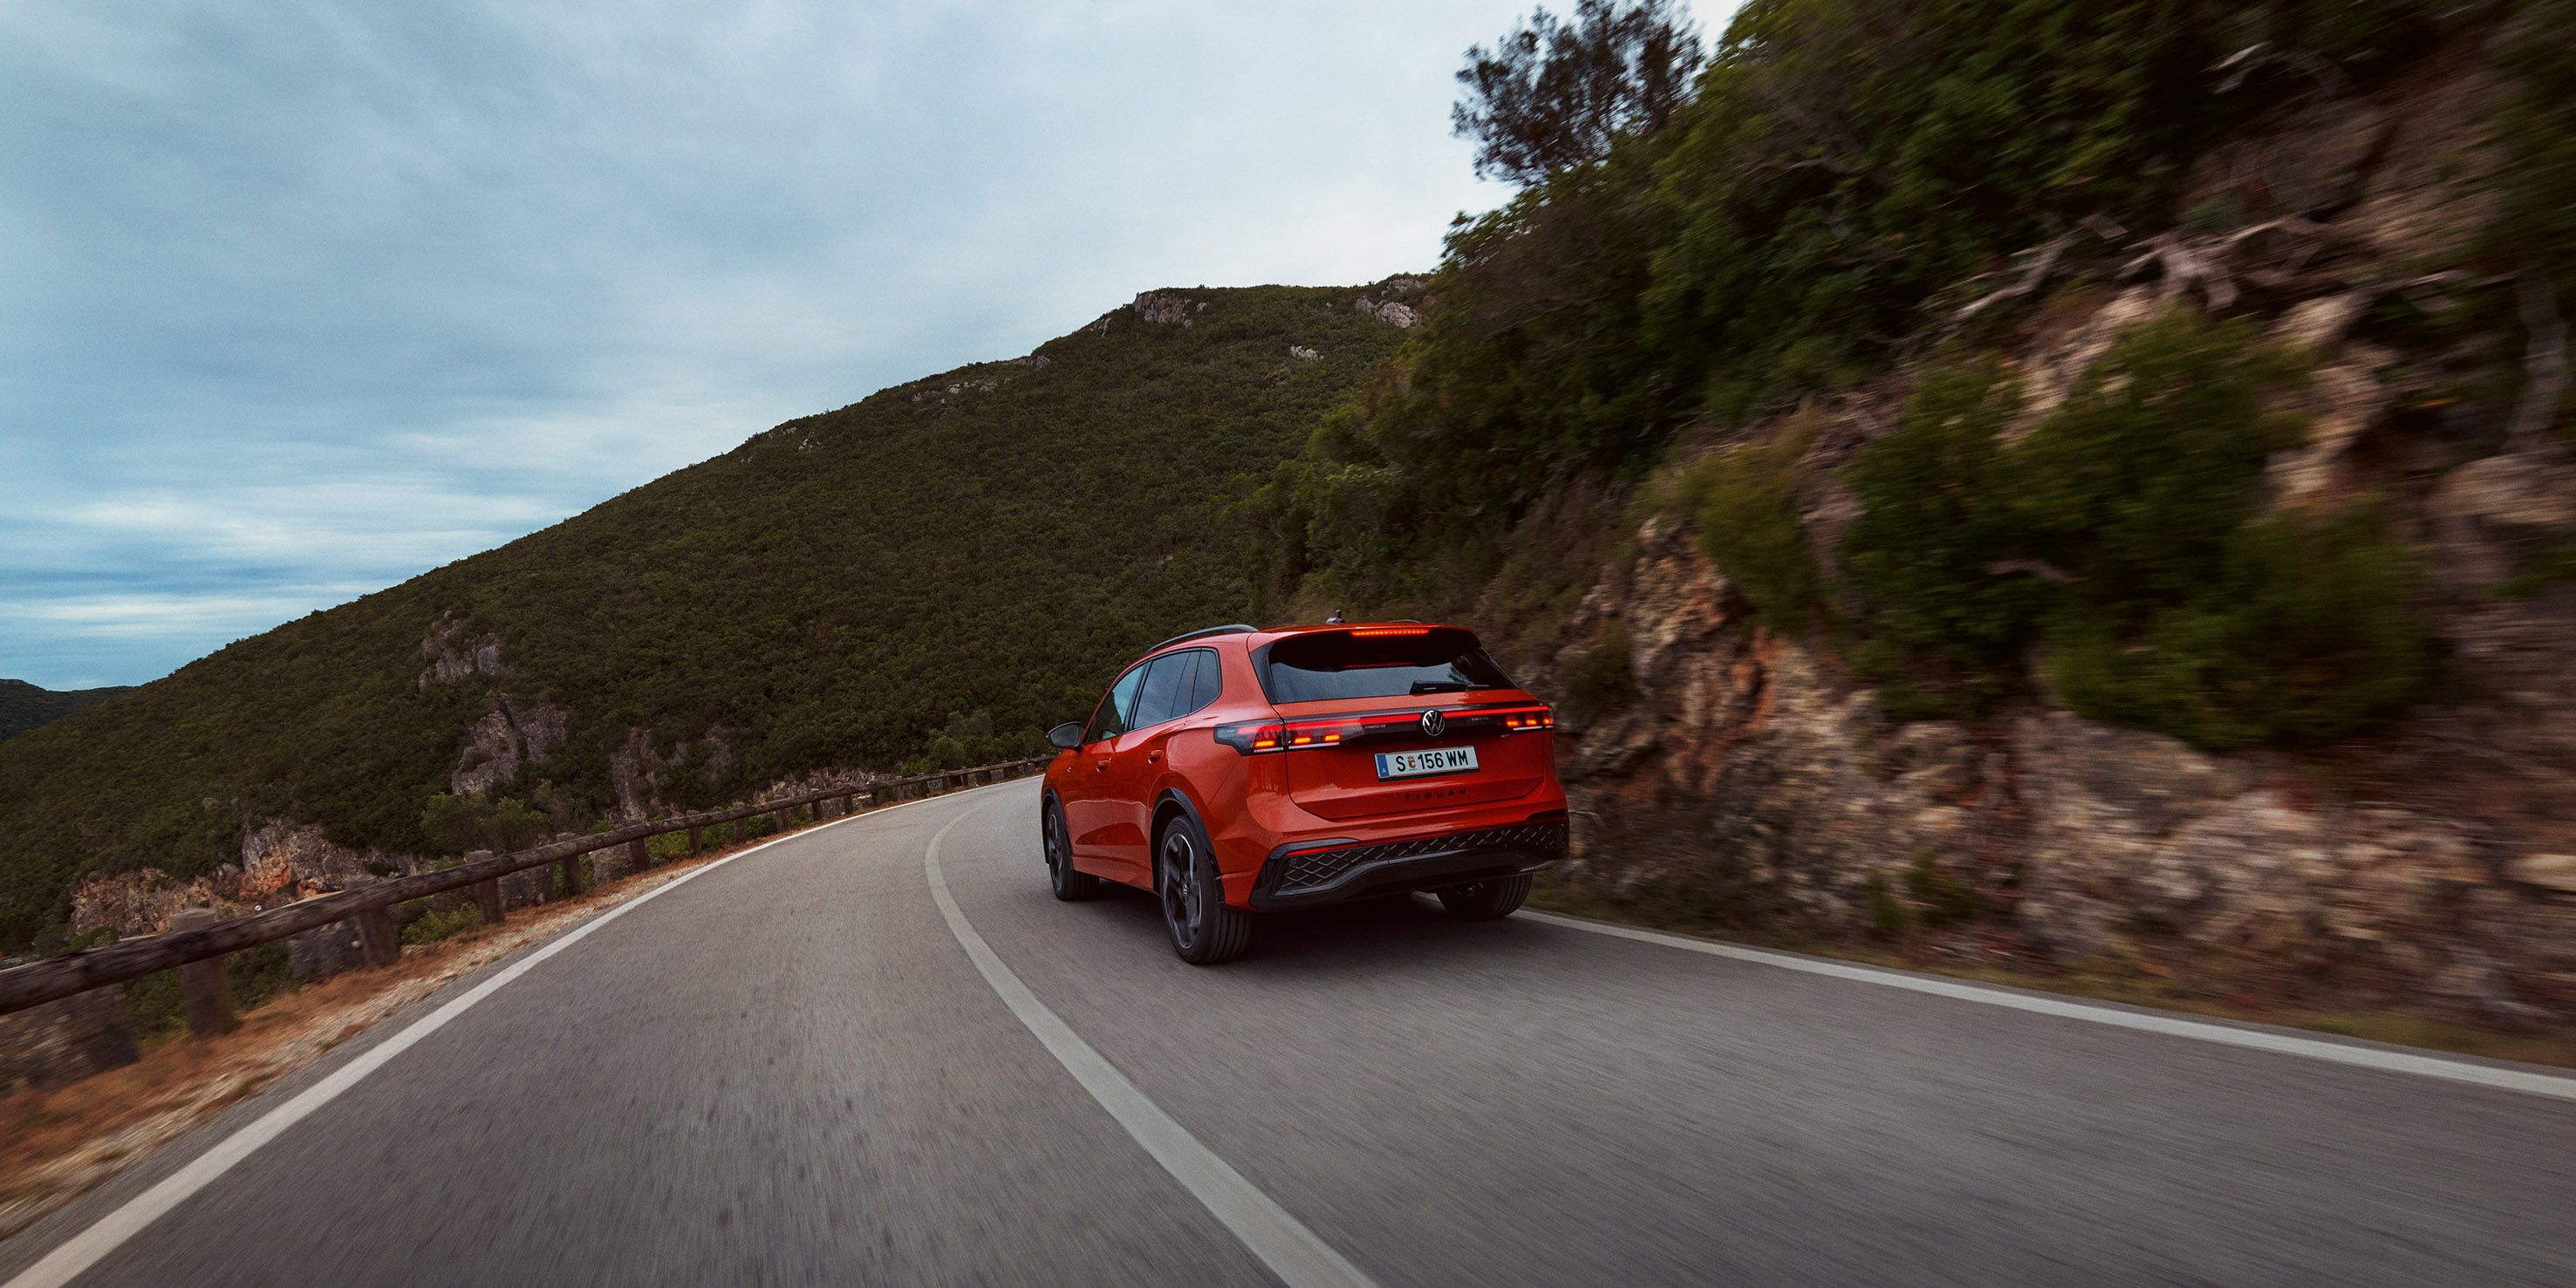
(1236, 770)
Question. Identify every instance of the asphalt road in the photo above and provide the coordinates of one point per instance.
(792, 1069)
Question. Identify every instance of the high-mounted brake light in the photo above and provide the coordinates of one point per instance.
(1392, 630)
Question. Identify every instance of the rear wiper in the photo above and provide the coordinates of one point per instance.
(1442, 686)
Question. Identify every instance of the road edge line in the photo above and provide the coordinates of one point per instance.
(67, 1260)
(1296, 1254)
(2382, 1059)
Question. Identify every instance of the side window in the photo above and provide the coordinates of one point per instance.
(1111, 719)
(1207, 684)
(1167, 684)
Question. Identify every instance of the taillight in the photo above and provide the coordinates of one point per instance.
(1252, 737)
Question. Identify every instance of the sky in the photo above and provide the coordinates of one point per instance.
(299, 300)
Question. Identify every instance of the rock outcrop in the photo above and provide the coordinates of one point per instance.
(1748, 784)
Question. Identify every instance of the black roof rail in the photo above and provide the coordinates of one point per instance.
(1237, 629)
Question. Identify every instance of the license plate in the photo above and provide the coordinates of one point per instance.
(1415, 764)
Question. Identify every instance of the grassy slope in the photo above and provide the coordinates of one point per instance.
(23, 706)
(831, 592)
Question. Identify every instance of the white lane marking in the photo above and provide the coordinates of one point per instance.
(2424, 1066)
(1283, 1243)
(81, 1251)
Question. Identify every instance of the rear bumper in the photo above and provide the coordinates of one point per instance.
(1304, 874)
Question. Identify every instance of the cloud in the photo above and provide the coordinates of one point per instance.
(307, 298)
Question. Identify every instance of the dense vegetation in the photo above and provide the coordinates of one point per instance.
(23, 706)
(1845, 177)
(942, 570)
(1843, 163)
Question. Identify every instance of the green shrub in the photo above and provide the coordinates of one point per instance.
(2308, 631)
(1940, 519)
(2137, 484)
(1746, 503)
(261, 973)
(455, 824)
(434, 924)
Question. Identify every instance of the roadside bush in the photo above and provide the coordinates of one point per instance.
(2307, 632)
(2137, 484)
(434, 924)
(1928, 552)
(455, 824)
(1747, 506)
(2122, 534)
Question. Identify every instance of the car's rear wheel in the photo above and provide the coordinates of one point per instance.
(1486, 900)
(1204, 931)
(1070, 885)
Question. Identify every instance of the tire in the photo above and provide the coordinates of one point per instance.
(1204, 931)
(1487, 900)
(1070, 886)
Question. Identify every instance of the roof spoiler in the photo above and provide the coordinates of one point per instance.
(1237, 629)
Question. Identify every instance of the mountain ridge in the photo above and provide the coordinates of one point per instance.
(934, 571)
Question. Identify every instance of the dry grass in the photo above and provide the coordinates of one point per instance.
(56, 1143)
(2114, 982)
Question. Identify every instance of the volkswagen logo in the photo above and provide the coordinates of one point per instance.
(1433, 723)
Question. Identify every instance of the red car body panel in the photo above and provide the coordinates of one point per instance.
(1116, 792)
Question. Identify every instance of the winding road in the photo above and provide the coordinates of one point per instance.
(878, 1052)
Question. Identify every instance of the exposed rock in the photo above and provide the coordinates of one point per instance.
(454, 655)
(1399, 316)
(2554, 872)
(2320, 324)
(1302, 353)
(1163, 308)
(2491, 515)
(2055, 362)
(507, 737)
(2345, 401)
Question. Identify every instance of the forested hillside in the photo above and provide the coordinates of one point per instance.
(938, 571)
(24, 706)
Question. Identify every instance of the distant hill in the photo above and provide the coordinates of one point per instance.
(23, 706)
(940, 570)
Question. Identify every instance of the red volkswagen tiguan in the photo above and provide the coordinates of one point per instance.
(1236, 770)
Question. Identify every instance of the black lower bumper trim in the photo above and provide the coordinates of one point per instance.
(1310, 873)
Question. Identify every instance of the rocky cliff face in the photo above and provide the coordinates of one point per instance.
(1748, 783)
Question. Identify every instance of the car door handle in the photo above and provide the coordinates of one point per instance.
(1101, 765)
(1153, 758)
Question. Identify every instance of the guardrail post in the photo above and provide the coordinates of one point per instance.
(570, 868)
(693, 838)
(487, 900)
(778, 819)
(204, 984)
(378, 937)
(639, 853)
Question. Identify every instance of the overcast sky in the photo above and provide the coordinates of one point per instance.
(298, 300)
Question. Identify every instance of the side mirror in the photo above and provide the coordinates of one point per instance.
(1066, 736)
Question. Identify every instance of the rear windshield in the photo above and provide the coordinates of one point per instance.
(1345, 664)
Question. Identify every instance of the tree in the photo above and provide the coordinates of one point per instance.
(1554, 94)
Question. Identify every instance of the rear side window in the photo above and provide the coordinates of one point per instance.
(1349, 664)
(1111, 719)
(1171, 687)
(1209, 682)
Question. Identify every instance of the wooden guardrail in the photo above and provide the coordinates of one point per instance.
(198, 946)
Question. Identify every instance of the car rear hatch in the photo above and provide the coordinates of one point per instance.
(1379, 720)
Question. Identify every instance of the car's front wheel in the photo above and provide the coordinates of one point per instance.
(1070, 886)
(1204, 931)
(1486, 900)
